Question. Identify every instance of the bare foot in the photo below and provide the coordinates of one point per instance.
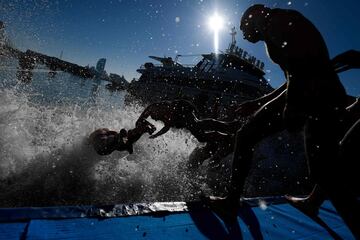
(225, 207)
(306, 204)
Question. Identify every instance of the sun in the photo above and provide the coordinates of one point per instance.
(216, 22)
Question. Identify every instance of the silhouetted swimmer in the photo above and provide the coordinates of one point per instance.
(172, 113)
(182, 114)
(314, 99)
(106, 141)
(348, 154)
(311, 203)
(264, 121)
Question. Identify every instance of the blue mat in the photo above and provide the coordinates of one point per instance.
(268, 220)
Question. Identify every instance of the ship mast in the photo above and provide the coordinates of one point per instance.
(232, 47)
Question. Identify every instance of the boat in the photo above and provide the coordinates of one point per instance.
(221, 80)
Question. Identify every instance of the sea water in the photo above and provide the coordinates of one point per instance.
(45, 158)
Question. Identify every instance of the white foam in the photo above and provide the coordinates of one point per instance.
(45, 160)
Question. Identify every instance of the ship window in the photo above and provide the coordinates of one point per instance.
(204, 64)
(208, 66)
(216, 64)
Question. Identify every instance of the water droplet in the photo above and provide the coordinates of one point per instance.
(262, 205)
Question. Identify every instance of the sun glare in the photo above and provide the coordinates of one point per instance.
(216, 23)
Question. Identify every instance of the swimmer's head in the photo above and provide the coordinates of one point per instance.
(252, 21)
(123, 133)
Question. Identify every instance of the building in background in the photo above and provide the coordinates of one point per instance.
(117, 82)
(100, 65)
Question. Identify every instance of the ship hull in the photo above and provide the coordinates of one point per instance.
(222, 89)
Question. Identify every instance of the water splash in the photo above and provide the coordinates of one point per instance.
(45, 158)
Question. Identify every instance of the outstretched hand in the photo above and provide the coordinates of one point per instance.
(145, 126)
(161, 132)
(150, 128)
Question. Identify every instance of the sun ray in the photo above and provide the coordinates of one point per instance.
(216, 23)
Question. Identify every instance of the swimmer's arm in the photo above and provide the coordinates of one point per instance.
(139, 130)
(268, 97)
(346, 60)
(250, 107)
(209, 124)
(134, 135)
(273, 94)
(354, 110)
(144, 115)
(231, 127)
(161, 132)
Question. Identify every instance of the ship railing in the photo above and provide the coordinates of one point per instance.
(142, 67)
(189, 65)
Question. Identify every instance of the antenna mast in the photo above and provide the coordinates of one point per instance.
(232, 46)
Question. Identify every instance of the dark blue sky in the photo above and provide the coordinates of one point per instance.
(127, 31)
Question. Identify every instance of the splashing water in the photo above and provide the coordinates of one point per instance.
(45, 158)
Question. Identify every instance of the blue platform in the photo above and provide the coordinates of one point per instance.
(259, 219)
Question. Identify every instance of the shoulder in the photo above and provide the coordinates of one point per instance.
(290, 18)
(286, 18)
(291, 24)
(285, 13)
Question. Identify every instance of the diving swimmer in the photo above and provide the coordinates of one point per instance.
(106, 141)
